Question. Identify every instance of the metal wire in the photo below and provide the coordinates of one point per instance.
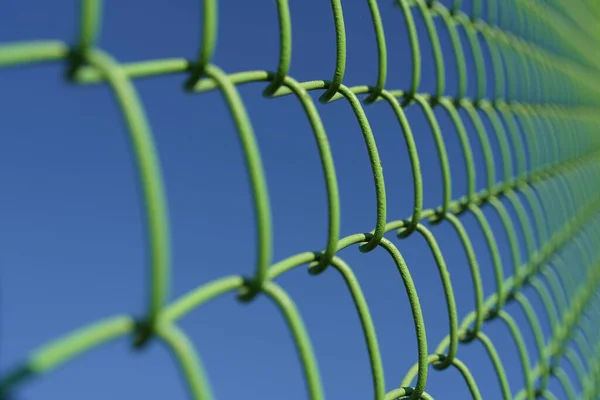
(545, 65)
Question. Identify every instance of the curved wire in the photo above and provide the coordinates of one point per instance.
(150, 177)
(542, 113)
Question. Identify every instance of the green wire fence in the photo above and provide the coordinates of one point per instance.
(545, 63)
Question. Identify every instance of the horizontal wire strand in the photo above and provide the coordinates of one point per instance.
(549, 156)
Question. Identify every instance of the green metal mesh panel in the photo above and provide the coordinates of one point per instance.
(545, 62)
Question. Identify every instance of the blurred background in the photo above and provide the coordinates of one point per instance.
(72, 234)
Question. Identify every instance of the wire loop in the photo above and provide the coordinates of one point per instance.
(525, 112)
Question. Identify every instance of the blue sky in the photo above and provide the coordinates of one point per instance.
(73, 245)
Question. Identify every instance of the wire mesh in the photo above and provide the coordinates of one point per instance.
(545, 64)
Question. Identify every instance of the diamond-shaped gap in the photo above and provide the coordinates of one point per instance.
(504, 342)
(362, 54)
(476, 357)
(206, 180)
(421, 263)
(429, 72)
(449, 55)
(494, 75)
(353, 167)
(395, 160)
(493, 135)
(313, 40)
(387, 299)
(517, 312)
(482, 254)
(431, 166)
(333, 323)
(98, 252)
(400, 59)
(455, 257)
(500, 233)
(470, 49)
(252, 342)
(454, 150)
(293, 167)
(519, 229)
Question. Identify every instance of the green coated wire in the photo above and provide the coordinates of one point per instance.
(543, 114)
(255, 170)
(151, 182)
